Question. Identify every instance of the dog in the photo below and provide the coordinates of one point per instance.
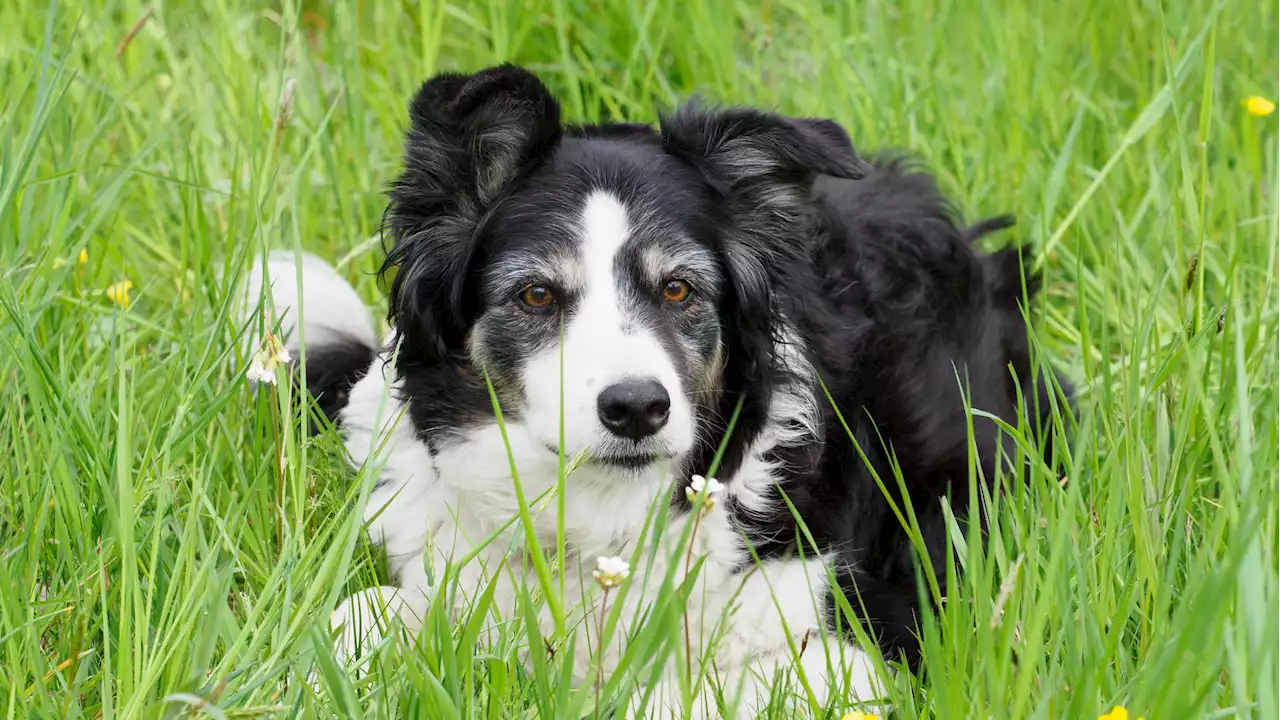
(733, 292)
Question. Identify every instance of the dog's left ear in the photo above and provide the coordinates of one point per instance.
(741, 145)
(832, 140)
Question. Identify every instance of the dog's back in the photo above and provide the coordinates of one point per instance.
(920, 325)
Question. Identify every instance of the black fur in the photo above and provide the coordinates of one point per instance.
(906, 313)
(895, 308)
(332, 369)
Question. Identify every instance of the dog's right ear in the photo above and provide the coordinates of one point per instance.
(470, 138)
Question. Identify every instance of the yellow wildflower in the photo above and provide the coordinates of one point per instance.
(59, 263)
(855, 715)
(1117, 713)
(118, 293)
(1259, 106)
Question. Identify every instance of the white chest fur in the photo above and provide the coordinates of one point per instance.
(430, 509)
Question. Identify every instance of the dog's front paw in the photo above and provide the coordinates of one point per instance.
(365, 618)
(665, 702)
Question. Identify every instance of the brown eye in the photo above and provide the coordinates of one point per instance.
(536, 297)
(676, 291)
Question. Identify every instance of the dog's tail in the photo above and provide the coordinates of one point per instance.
(1008, 271)
(341, 342)
(1012, 284)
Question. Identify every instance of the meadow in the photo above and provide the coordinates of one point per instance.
(172, 543)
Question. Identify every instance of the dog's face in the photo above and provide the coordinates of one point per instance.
(597, 282)
(616, 279)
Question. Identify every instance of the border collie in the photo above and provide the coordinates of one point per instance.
(733, 288)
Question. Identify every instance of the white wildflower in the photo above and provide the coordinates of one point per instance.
(611, 571)
(278, 352)
(272, 354)
(698, 484)
(261, 369)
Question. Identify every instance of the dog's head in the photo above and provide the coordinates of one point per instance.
(646, 270)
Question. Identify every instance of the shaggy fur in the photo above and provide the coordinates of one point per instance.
(811, 271)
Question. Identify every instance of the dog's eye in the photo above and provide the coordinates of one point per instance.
(676, 291)
(537, 297)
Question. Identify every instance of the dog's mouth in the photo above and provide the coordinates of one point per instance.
(620, 460)
(630, 461)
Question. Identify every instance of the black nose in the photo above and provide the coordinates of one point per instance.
(634, 408)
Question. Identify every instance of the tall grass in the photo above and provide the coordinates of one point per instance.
(173, 542)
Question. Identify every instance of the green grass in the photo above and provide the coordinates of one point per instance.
(161, 558)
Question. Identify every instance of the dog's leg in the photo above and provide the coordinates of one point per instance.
(364, 619)
(747, 688)
(831, 668)
(776, 624)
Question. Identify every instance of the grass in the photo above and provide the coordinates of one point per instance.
(174, 545)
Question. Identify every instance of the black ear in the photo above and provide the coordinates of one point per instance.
(831, 140)
(741, 144)
(470, 138)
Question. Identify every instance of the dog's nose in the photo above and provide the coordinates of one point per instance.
(634, 409)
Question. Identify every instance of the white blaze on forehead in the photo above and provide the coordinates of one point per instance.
(604, 231)
(601, 312)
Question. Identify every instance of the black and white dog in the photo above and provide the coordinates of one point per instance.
(732, 274)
